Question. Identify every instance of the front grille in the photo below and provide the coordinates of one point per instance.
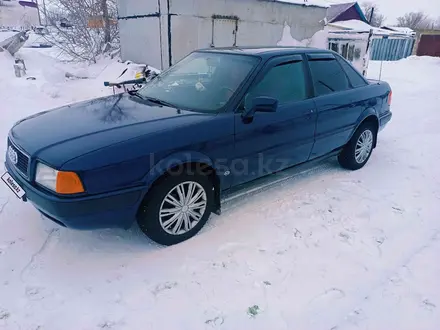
(22, 160)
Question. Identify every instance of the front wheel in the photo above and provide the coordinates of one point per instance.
(358, 151)
(177, 208)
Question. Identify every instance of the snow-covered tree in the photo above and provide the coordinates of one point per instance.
(83, 29)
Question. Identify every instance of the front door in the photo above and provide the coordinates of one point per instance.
(274, 141)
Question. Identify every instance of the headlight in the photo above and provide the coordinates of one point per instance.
(46, 176)
(58, 181)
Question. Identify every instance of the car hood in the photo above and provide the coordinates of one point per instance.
(59, 135)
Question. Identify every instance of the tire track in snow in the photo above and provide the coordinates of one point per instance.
(31, 263)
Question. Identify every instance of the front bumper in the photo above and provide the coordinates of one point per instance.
(111, 210)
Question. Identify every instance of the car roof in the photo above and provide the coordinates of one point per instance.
(265, 51)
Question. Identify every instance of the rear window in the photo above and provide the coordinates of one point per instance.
(354, 76)
(328, 76)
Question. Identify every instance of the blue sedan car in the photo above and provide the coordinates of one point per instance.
(164, 156)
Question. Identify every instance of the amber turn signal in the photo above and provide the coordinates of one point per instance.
(68, 183)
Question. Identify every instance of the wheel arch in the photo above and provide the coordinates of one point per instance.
(368, 116)
(188, 161)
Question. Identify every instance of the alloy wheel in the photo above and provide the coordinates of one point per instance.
(182, 208)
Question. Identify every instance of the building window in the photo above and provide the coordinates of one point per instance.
(350, 56)
(334, 47)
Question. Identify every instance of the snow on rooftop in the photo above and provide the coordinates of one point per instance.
(400, 29)
(353, 25)
(316, 3)
(360, 26)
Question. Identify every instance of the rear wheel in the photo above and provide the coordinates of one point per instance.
(177, 208)
(358, 151)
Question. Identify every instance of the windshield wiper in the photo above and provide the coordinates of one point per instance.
(136, 93)
(151, 99)
(157, 101)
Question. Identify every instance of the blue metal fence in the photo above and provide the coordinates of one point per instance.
(391, 49)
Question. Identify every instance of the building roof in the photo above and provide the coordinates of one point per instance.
(359, 26)
(353, 25)
(313, 3)
(337, 10)
(404, 30)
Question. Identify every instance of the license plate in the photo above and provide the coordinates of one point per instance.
(13, 185)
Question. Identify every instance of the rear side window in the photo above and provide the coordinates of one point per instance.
(354, 76)
(328, 76)
(284, 82)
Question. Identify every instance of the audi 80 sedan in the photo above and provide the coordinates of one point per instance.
(165, 155)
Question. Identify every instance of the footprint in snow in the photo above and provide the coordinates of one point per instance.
(215, 322)
(4, 315)
(345, 237)
(163, 287)
(428, 305)
(398, 209)
(328, 296)
(37, 293)
(356, 317)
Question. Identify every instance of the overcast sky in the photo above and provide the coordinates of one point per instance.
(395, 8)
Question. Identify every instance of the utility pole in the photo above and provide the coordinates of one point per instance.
(38, 11)
(372, 14)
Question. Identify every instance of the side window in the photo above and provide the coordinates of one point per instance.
(284, 82)
(328, 76)
(354, 76)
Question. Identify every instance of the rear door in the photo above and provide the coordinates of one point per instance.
(275, 141)
(336, 102)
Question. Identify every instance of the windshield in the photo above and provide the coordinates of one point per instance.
(202, 81)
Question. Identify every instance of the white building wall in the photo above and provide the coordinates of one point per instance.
(139, 26)
(359, 41)
(244, 23)
(14, 15)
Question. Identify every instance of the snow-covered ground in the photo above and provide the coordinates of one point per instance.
(329, 249)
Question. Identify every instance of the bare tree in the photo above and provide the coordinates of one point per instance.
(437, 24)
(415, 20)
(369, 8)
(89, 27)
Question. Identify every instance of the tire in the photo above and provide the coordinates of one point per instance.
(350, 158)
(156, 214)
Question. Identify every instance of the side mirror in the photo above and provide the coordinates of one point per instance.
(259, 104)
